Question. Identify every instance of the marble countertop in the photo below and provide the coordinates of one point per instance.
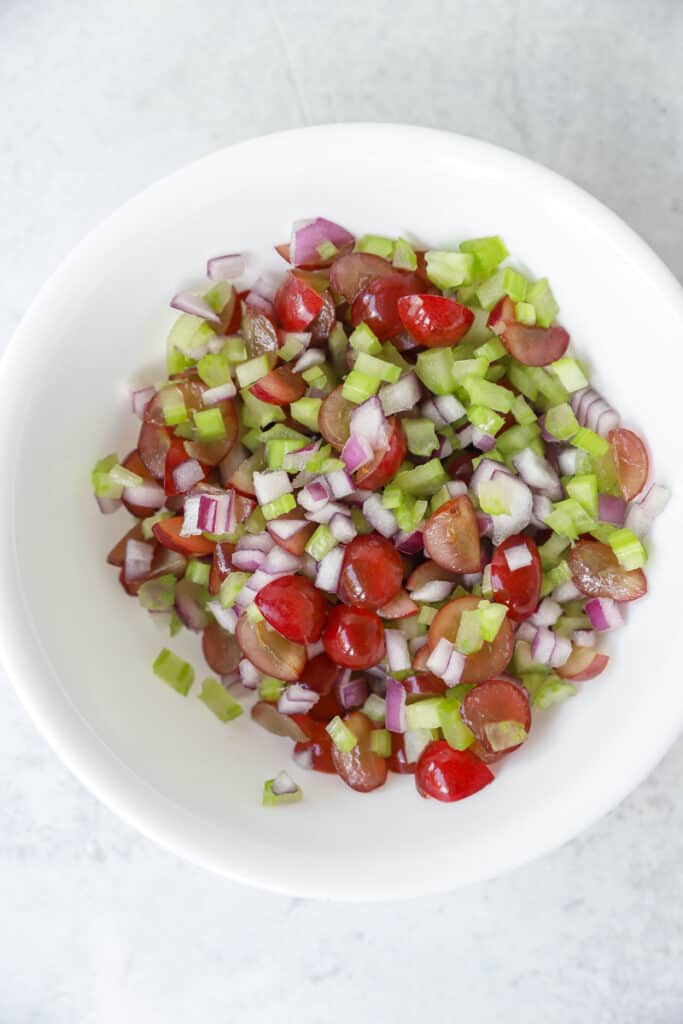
(98, 100)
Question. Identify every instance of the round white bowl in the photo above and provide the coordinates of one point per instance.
(79, 651)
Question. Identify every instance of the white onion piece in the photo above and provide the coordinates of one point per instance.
(137, 560)
(149, 494)
(561, 652)
(261, 579)
(249, 674)
(526, 632)
(484, 472)
(518, 557)
(449, 408)
(309, 567)
(297, 699)
(401, 396)
(518, 499)
(271, 485)
(584, 638)
(255, 542)
(642, 513)
(398, 658)
(456, 488)
(382, 519)
(541, 507)
(464, 437)
(434, 590)
(313, 650)
(278, 560)
(329, 570)
(483, 441)
(219, 394)
(314, 495)
(303, 757)
(568, 459)
(342, 528)
(108, 505)
(454, 669)
(566, 592)
(297, 459)
(225, 268)
(538, 473)
(140, 399)
(187, 302)
(245, 597)
(311, 357)
(282, 785)
(286, 528)
(368, 421)
(547, 613)
(603, 613)
(430, 411)
(439, 658)
(340, 483)
(225, 617)
(414, 742)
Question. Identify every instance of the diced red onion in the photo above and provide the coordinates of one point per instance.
(368, 421)
(416, 644)
(302, 337)
(547, 613)
(541, 507)
(297, 459)
(328, 512)
(395, 716)
(430, 411)
(471, 579)
(567, 591)
(329, 570)
(235, 457)
(313, 650)
(484, 472)
(456, 488)
(311, 357)
(278, 560)
(382, 519)
(108, 505)
(592, 411)
(398, 658)
(225, 268)
(444, 450)
(187, 302)
(137, 560)
(309, 567)
(248, 561)
(352, 693)
(357, 497)
(357, 452)
(308, 235)
(483, 441)
(256, 300)
(484, 524)
(517, 557)
(538, 473)
(401, 396)
(435, 590)
(256, 542)
(261, 579)
(231, 679)
(584, 638)
(149, 494)
(409, 543)
(342, 528)
(547, 648)
(270, 486)
(314, 496)
(561, 652)
(449, 408)
(297, 699)
(519, 500)
(282, 784)
(454, 669)
(225, 617)
(465, 436)
(219, 394)
(643, 512)
(526, 632)
(186, 475)
(190, 517)
(140, 399)
(245, 597)
(568, 461)
(249, 674)
(440, 657)
(286, 528)
(604, 613)
(414, 742)
(340, 483)
(611, 509)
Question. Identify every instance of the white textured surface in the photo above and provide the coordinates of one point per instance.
(96, 101)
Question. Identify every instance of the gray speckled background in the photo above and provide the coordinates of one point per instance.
(99, 99)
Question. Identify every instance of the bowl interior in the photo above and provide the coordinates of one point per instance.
(80, 651)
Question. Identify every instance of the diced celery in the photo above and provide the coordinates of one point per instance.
(271, 799)
(256, 413)
(320, 543)
(189, 334)
(455, 732)
(291, 349)
(175, 625)
(392, 496)
(516, 439)
(390, 354)
(363, 339)
(525, 314)
(276, 451)
(424, 480)
(553, 691)
(173, 670)
(426, 615)
(466, 368)
(198, 572)
(439, 499)
(306, 411)
(561, 422)
(491, 617)
(404, 257)
(568, 624)
(449, 269)
(434, 367)
(253, 614)
(149, 523)
(570, 373)
(358, 387)
(515, 285)
(469, 639)
(491, 349)
(552, 549)
(420, 436)
(628, 549)
(210, 424)
(570, 518)
(173, 406)
(488, 252)
(520, 379)
(176, 361)
(214, 370)
(318, 459)
(378, 245)
(374, 367)
(483, 392)
(492, 498)
(543, 301)
(231, 586)
(424, 714)
(234, 349)
(219, 295)
(218, 700)
(341, 735)
(491, 291)
(256, 523)
(285, 503)
(561, 573)
(251, 370)
(380, 742)
(410, 513)
(337, 345)
(522, 411)
(485, 419)
(158, 594)
(327, 250)
(584, 488)
(590, 442)
(270, 688)
(550, 386)
(360, 522)
(375, 708)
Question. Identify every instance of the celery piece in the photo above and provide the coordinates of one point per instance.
(214, 370)
(173, 670)
(584, 488)
(553, 691)
(256, 413)
(253, 614)
(173, 406)
(424, 480)
(231, 586)
(552, 549)
(218, 700)
(426, 615)
(483, 392)
(320, 543)
(522, 411)
(234, 349)
(363, 339)
(285, 503)
(628, 549)
(210, 424)
(570, 373)
(306, 411)
(485, 419)
(455, 732)
(590, 442)
(520, 379)
(251, 370)
(404, 257)
(491, 292)
(256, 523)
(488, 252)
(515, 285)
(377, 245)
(543, 301)
(150, 522)
(525, 314)
(424, 714)
(420, 436)
(360, 522)
(465, 369)
(561, 422)
(337, 345)
(189, 335)
(492, 498)
(374, 367)
(516, 439)
(291, 349)
(449, 269)
(327, 250)
(358, 387)
(491, 349)
(380, 742)
(198, 572)
(504, 735)
(549, 385)
(271, 799)
(375, 708)
(341, 735)
(175, 625)
(276, 451)
(270, 688)
(469, 639)
(435, 369)
(491, 617)
(158, 594)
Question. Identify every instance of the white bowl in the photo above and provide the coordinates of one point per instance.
(79, 651)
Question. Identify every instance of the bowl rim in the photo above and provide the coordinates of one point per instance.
(72, 738)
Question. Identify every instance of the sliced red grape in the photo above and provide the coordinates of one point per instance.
(377, 304)
(258, 331)
(386, 463)
(220, 566)
(631, 461)
(268, 717)
(427, 573)
(354, 637)
(596, 571)
(269, 651)
(446, 774)
(434, 320)
(493, 701)
(324, 322)
(189, 604)
(296, 544)
(360, 768)
(294, 607)
(582, 664)
(297, 303)
(167, 532)
(400, 607)
(372, 572)
(279, 387)
(519, 589)
(220, 649)
(451, 537)
(153, 445)
(320, 674)
(243, 477)
(493, 657)
(398, 761)
(334, 420)
(351, 273)
(423, 684)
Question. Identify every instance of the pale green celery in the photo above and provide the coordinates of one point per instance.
(214, 370)
(483, 392)
(210, 424)
(253, 614)
(291, 349)
(375, 708)
(550, 386)
(341, 735)
(424, 480)
(380, 742)
(424, 714)
(270, 688)
(285, 503)
(485, 419)
(491, 349)
(434, 367)
(552, 549)
(561, 422)
(525, 314)
(358, 387)
(364, 339)
(522, 411)
(277, 449)
(173, 406)
(456, 734)
(543, 300)
(377, 245)
(516, 439)
(234, 349)
(150, 522)
(469, 639)
(219, 701)
(173, 670)
(404, 257)
(271, 799)
(570, 373)
(198, 572)
(590, 442)
(251, 370)
(520, 379)
(158, 594)
(515, 285)
(553, 691)
(306, 411)
(488, 252)
(320, 543)
(449, 269)
(256, 413)
(463, 369)
(491, 291)
(491, 616)
(492, 499)
(628, 549)
(426, 615)
(420, 436)
(374, 367)
(337, 345)
(584, 488)
(231, 586)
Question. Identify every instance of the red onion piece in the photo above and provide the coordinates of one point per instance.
(547, 613)
(454, 669)
(328, 512)
(297, 699)
(311, 357)
(584, 638)
(297, 459)
(526, 632)
(108, 505)
(611, 509)
(401, 396)
(440, 657)
(248, 561)
(256, 542)
(435, 590)
(282, 784)
(592, 411)
(464, 437)
(218, 394)
(271, 485)
(339, 483)
(249, 674)
(186, 475)
(368, 421)
(286, 528)
(604, 613)
(357, 452)
(409, 543)
(187, 302)
(225, 268)
(140, 399)
(149, 494)
(484, 442)
(517, 557)
(225, 617)
(643, 512)
(308, 235)
(314, 496)
(138, 560)
(430, 411)
(329, 570)
(342, 528)
(538, 473)
(449, 408)
(352, 693)
(381, 518)
(456, 488)
(280, 561)
(398, 658)
(395, 716)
